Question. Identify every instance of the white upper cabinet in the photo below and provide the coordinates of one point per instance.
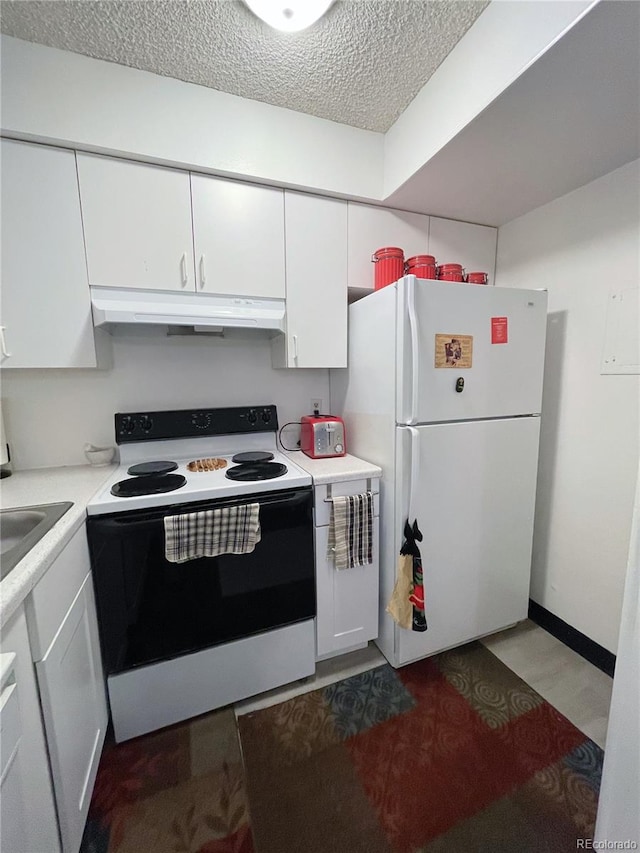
(137, 224)
(371, 228)
(473, 246)
(238, 238)
(46, 312)
(316, 256)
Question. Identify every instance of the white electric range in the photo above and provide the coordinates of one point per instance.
(181, 639)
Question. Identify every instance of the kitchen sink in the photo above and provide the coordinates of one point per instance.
(22, 528)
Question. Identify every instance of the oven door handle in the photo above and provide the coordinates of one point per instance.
(142, 518)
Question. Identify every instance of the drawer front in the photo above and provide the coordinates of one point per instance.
(349, 487)
(53, 595)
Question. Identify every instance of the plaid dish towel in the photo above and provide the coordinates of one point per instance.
(229, 530)
(351, 530)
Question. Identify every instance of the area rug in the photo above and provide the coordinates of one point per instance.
(179, 790)
(454, 754)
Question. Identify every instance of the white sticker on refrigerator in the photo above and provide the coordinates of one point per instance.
(454, 351)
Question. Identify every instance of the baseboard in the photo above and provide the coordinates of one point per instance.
(574, 639)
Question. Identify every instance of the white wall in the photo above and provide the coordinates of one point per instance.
(50, 414)
(51, 95)
(579, 247)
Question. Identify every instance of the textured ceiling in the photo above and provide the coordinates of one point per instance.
(360, 65)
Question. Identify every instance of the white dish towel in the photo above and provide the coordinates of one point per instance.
(228, 530)
(351, 530)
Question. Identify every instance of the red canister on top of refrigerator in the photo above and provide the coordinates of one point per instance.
(422, 266)
(389, 266)
(450, 272)
(477, 278)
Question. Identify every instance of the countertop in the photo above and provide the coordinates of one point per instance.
(337, 469)
(42, 486)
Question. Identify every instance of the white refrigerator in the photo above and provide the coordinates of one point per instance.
(443, 391)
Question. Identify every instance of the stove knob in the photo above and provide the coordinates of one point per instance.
(128, 425)
(252, 417)
(146, 423)
(266, 416)
(201, 420)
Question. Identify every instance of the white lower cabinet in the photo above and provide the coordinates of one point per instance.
(28, 816)
(75, 713)
(63, 632)
(346, 599)
(13, 824)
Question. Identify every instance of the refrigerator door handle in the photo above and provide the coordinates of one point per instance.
(415, 360)
(415, 471)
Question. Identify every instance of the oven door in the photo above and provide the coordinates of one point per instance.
(150, 609)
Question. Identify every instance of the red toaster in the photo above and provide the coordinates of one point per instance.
(322, 436)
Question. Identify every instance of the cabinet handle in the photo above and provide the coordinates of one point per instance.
(203, 277)
(295, 347)
(183, 269)
(3, 344)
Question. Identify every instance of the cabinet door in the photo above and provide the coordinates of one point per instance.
(41, 826)
(75, 713)
(137, 224)
(372, 228)
(316, 283)
(347, 600)
(46, 310)
(473, 246)
(238, 233)
(13, 826)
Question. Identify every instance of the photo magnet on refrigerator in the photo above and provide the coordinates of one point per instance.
(454, 351)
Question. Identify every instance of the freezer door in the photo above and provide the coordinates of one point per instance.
(474, 502)
(468, 351)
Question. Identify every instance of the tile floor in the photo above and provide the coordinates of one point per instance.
(579, 690)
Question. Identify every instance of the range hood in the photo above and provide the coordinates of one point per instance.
(201, 311)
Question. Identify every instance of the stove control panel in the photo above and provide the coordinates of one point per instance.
(189, 423)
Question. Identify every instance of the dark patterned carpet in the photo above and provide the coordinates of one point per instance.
(454, 754)
(179, 790)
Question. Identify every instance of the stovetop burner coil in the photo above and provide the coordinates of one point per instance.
(253, 456)
(256, 471)
(148, 485)
(144, 469)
